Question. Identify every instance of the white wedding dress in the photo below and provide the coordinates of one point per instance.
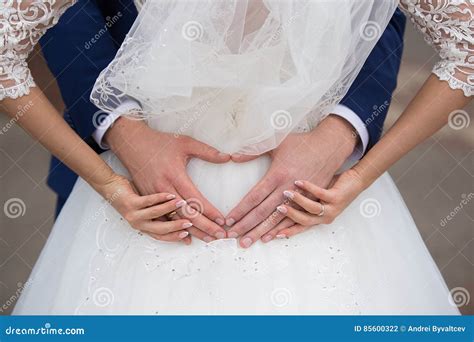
(370, 260)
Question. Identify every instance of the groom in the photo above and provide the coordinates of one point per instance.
(87, 38)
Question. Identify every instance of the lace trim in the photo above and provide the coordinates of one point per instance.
(17, 90)
(453, 82)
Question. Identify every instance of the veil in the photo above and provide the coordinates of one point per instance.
(241, 74)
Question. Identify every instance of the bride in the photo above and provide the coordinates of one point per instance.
(239, 76)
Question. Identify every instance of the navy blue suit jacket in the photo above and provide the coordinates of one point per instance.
(82, 44)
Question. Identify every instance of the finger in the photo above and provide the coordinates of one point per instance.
(263, 213)
(318, 192)
(160, 210)
(312, 207)
(256, 233)
(202, 222)
(205, 152)
(291, 231)
(165, 227)
(171, 237)
(243, 158)
(188, 191)
(252, 199)
(273, 233)
(196, 232)
(149, 200)
(299, 216)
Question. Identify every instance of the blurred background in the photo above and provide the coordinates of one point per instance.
(436, 181)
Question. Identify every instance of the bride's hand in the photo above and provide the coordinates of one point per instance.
(143, 212)
(332, 202)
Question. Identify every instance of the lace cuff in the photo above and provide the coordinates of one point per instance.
(444, 74)
(17, 90)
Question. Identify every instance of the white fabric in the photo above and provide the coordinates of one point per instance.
(359, 126)
(340, 110)
(371, 260)
(448, 26)
(126, 106)
(22, 24)
(250, 70)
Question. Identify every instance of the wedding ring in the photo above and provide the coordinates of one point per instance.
(321, 213)
(171, 215)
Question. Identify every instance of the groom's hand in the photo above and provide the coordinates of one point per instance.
(314, 156)
(157, 163)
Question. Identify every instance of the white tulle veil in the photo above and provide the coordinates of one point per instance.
(241, 74)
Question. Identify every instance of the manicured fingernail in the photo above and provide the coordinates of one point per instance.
(230, 222)
(282, 209)
(187, 225)
(299, 183)
(219, 221)
(232, 235)
(182, 235)
(267, 238)
(208, 239)
(181, 203)
(170, 196)
(281, 236)
(220, 235)
(246, 242)
(288, 194)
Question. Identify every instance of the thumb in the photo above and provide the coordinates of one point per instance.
(208, 153)
(243, 158)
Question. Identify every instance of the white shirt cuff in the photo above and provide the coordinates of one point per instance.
(125, 107)
(348, 114)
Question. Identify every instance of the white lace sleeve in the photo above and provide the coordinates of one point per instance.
(448, 25)
(22, 23)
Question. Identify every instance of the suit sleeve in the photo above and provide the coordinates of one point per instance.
(370, 95)
(77, 49)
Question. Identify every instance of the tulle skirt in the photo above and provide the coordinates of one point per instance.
(370, 260)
